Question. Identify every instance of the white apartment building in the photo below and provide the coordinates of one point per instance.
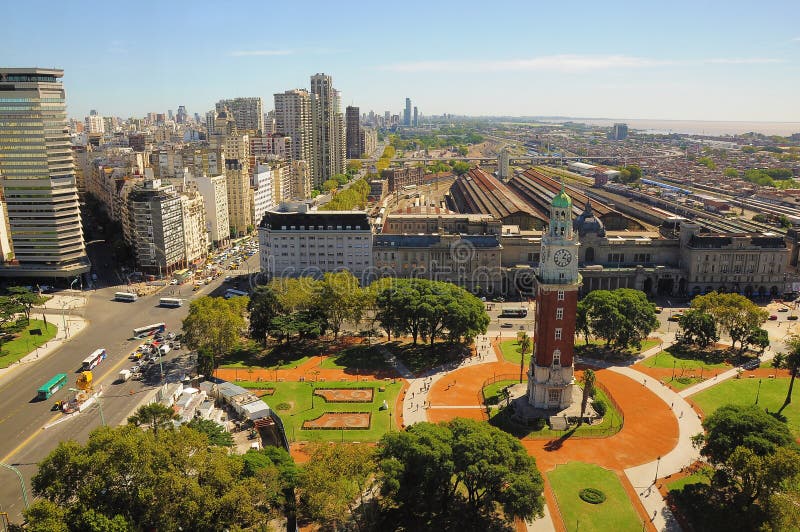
(156, 217)
(215, 200)
(237, 178)
(294, 118)
(95, 124)
(261, 199)
(194, 227)
(310, 243)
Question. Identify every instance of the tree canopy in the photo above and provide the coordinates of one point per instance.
(734, 314)
(457, 473)
(622, 317)
(698, 328)
(215, 324)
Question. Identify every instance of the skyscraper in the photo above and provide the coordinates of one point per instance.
(416, 117)
(353, 129)
(407, 113)
(37, 176)
(247, 112)
(329, 142)
(293, 119)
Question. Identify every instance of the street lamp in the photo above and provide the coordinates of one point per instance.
(657, 464)
(758, 391)
(21, 482)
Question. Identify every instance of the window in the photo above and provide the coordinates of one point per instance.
(554, 396)
(560, 295)
(560, 313)
(557, 357)
(558, 333)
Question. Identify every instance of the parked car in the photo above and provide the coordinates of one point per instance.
(783, 309)
(170, 335)
(506, 325)
(791, 317)
(773, 317)
(752, 364)
(659, 310)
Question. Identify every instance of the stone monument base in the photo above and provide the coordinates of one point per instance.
(526, 414)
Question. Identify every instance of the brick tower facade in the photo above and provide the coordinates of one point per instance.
(551, 374)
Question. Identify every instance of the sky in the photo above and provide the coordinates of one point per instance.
(680, 60)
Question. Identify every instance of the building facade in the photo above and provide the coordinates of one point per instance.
(329, 138)
(310, 243)
(353, 132)
(261, 196)
(156, 213)
(404, 176)
(215, 200)
(195, 234)
(37, 176)
(237, 179)
(248, 113)
(294, 119)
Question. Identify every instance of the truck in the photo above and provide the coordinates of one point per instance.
(124, 376)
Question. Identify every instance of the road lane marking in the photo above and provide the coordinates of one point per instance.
(27, 440)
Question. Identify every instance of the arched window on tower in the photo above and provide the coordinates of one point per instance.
(557, 358)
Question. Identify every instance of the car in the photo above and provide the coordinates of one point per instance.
(791, 317)
(752, 364)
(783, 309)
(135, 368)
(173, 282)
(675, 317)
(176, 345)
(506, 325)
(659, 310)
(195, 288)
(773, 317)
(170, 336)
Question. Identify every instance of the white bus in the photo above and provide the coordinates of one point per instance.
(125, 296)
(173, 302)
(91, 362)
(234, 293)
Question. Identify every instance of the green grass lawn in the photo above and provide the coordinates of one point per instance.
(23, 343)
(743, 392)
(242, 364)
(357, 357)
(596, 346)
(680, 383)
(298, 396)
(422, 357)
(665, 359)
(694, 478)
(615, 514)
(611, 424)
(491, 393)
(510, 351)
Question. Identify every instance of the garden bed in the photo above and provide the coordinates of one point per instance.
(346, 395)
(340, 421)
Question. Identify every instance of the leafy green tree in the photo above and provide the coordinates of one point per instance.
(707, 162)
(623, 317)
(759, 338)
(341, 299)
(127, 479)
(330, 185)
(215, 323)
(457, 473)
(792, 361)
(332, 484)
(353, 166)
(582, 321)
(215, 433)
(26, 298)
(524, 342)
(734, 315)
(300, 293)
(155, 416)
(730, 172)
(461, 167)
(263, 307)
(589, 380)
(341, 179)
(732, 426)
(698, 328)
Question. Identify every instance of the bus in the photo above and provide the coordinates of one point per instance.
(52, 386)
(234, 293)
(514, 313)
(173, 302)
(150, 330)
(91, 362)
(125, 296)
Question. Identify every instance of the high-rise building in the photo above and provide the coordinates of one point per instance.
(353, 132)
(293, 118)
(156, 217)
(37, 175)
(329, 141)
(237, 177)
(407, 113)
(619, 132)
(95, 124)
(195, 234)
(247, 112)
(215, 199)
(416, 117)
(182, 117)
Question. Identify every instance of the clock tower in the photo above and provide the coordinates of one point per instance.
(551, 374)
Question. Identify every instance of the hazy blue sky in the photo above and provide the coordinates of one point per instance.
(724, 60)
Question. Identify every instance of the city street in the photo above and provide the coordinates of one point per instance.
(109, 325)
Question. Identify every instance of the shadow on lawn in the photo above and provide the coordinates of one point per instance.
(419, 358)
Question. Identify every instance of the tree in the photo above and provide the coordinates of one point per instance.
(216, 324)
(353, 166)
(582, 321)
(332, 484)
(759, 338)
(730, 172)
(10, 309)
(154, 415)
(127, 479)
(341, 299)
(589, 379)
(458, 472)
(461, 167)
(263, 307)
(698, 328)
(26, 298)
(330, 185)
(732, 426)
(216, 433)
(792, 362)
(524, 342)
(623, 317)
(734, 315)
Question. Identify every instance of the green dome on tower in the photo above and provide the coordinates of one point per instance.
(562, 200)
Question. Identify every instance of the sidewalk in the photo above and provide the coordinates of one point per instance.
(74, 325)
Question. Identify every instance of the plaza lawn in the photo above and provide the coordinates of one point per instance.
(666, 360)
(681, 383)
(647, 343)
(615, 514)
(23, 343)
(510, 351)
(360, 357)
(298, 396)
(492, 393)
(695, 478)
(242, 364)
(743, 392)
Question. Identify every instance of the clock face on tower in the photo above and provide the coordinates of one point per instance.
(562, 258)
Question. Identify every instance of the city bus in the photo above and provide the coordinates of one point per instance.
(150, 330)
(234, 293)
(52, 386)
(514, 313)
(91, 362)
(125, 296)
(173, 302)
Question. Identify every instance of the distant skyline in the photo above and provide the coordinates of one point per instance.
(682, 60)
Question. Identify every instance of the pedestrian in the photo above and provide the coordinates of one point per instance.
(681, 416)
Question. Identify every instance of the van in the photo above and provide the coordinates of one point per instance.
(124, 375)
(164, 349)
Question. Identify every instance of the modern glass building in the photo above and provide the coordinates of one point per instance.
(42, 227)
